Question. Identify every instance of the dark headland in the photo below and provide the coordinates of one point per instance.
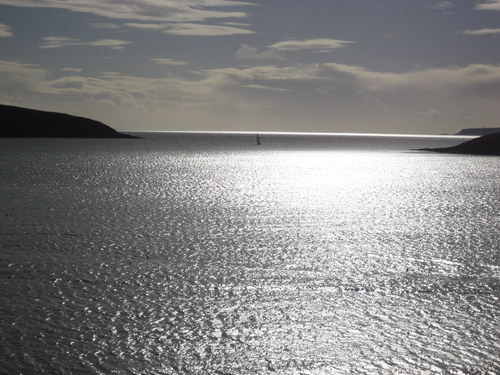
(478, 131)
(485, 145)
(20, 122)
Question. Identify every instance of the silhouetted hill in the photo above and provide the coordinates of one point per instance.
(20, 122)
(478, 131)
(486, 145)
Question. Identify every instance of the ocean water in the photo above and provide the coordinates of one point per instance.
(208, 254)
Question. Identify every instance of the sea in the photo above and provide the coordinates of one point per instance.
(206, 253)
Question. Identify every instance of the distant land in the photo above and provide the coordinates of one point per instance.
(20, 122)
(478, 131)
(485, 145)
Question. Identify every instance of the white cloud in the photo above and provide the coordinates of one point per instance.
(104, 25)
(63, 41)
(489, 5)
(152, 10)
(72, 70)
(108, 43)
(194, 29)
(247, 52)
(5, 31)
(432, 113)
(240, 24)
(147, 26)
(168, 62)
(477, 79)
(481, 32)
(58, 41)
(190, 29)
(19, 80)
(315, 45)
(440, 5)
(178, 17)
(279, 95)
(133, 91)
(260, 87)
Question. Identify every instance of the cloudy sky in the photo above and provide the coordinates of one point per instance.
(384, 66)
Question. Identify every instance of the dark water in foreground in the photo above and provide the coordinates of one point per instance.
(207, 254)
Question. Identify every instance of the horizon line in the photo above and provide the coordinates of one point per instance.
(297, 133)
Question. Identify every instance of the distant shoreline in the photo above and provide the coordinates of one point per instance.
(488, 145)
(19, 122)
(478, 131)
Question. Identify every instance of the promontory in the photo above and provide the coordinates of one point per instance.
(18, 122)
(486, 145)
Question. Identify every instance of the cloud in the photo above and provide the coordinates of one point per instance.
(147, 26)
(177, 17)
(108, 43)
(63, 41)
(475, 80)
(72, 70)
(260, 87)
(489, 5)
(240, 24)
(20, 80)
(315, 45)
(440, 5)
(247, 52)
(432, 113)
(104, 25)
(145, 10)
(5, 31)
(168, 62)
(481, 82)
(190, 29)
(281, 95)
(193, 29)
(481, 32)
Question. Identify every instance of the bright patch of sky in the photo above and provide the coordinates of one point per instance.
(389, 66)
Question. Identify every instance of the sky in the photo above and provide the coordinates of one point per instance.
(384, 66)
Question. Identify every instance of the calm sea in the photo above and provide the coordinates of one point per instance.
(208, 254)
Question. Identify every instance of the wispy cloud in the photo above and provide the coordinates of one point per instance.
(193, 29)
(58, 41)
(428, 95)
(147, 26)
(470, 81)
(247, 52)
(107, 43)
(63, 41)
(152, 10)
(177, 17)
(261, 87)
(18, 79)
(104, 25)
(5, 31)
(72, 70)
(489, 5)
(442, 5)
(432, 113)
(190, 29)
(314, 45)
(478, 79)
(481, 32)
(168, 62)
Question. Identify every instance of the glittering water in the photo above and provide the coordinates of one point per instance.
(208, 254)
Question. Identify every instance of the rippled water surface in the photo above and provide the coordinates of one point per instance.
(208, 254)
